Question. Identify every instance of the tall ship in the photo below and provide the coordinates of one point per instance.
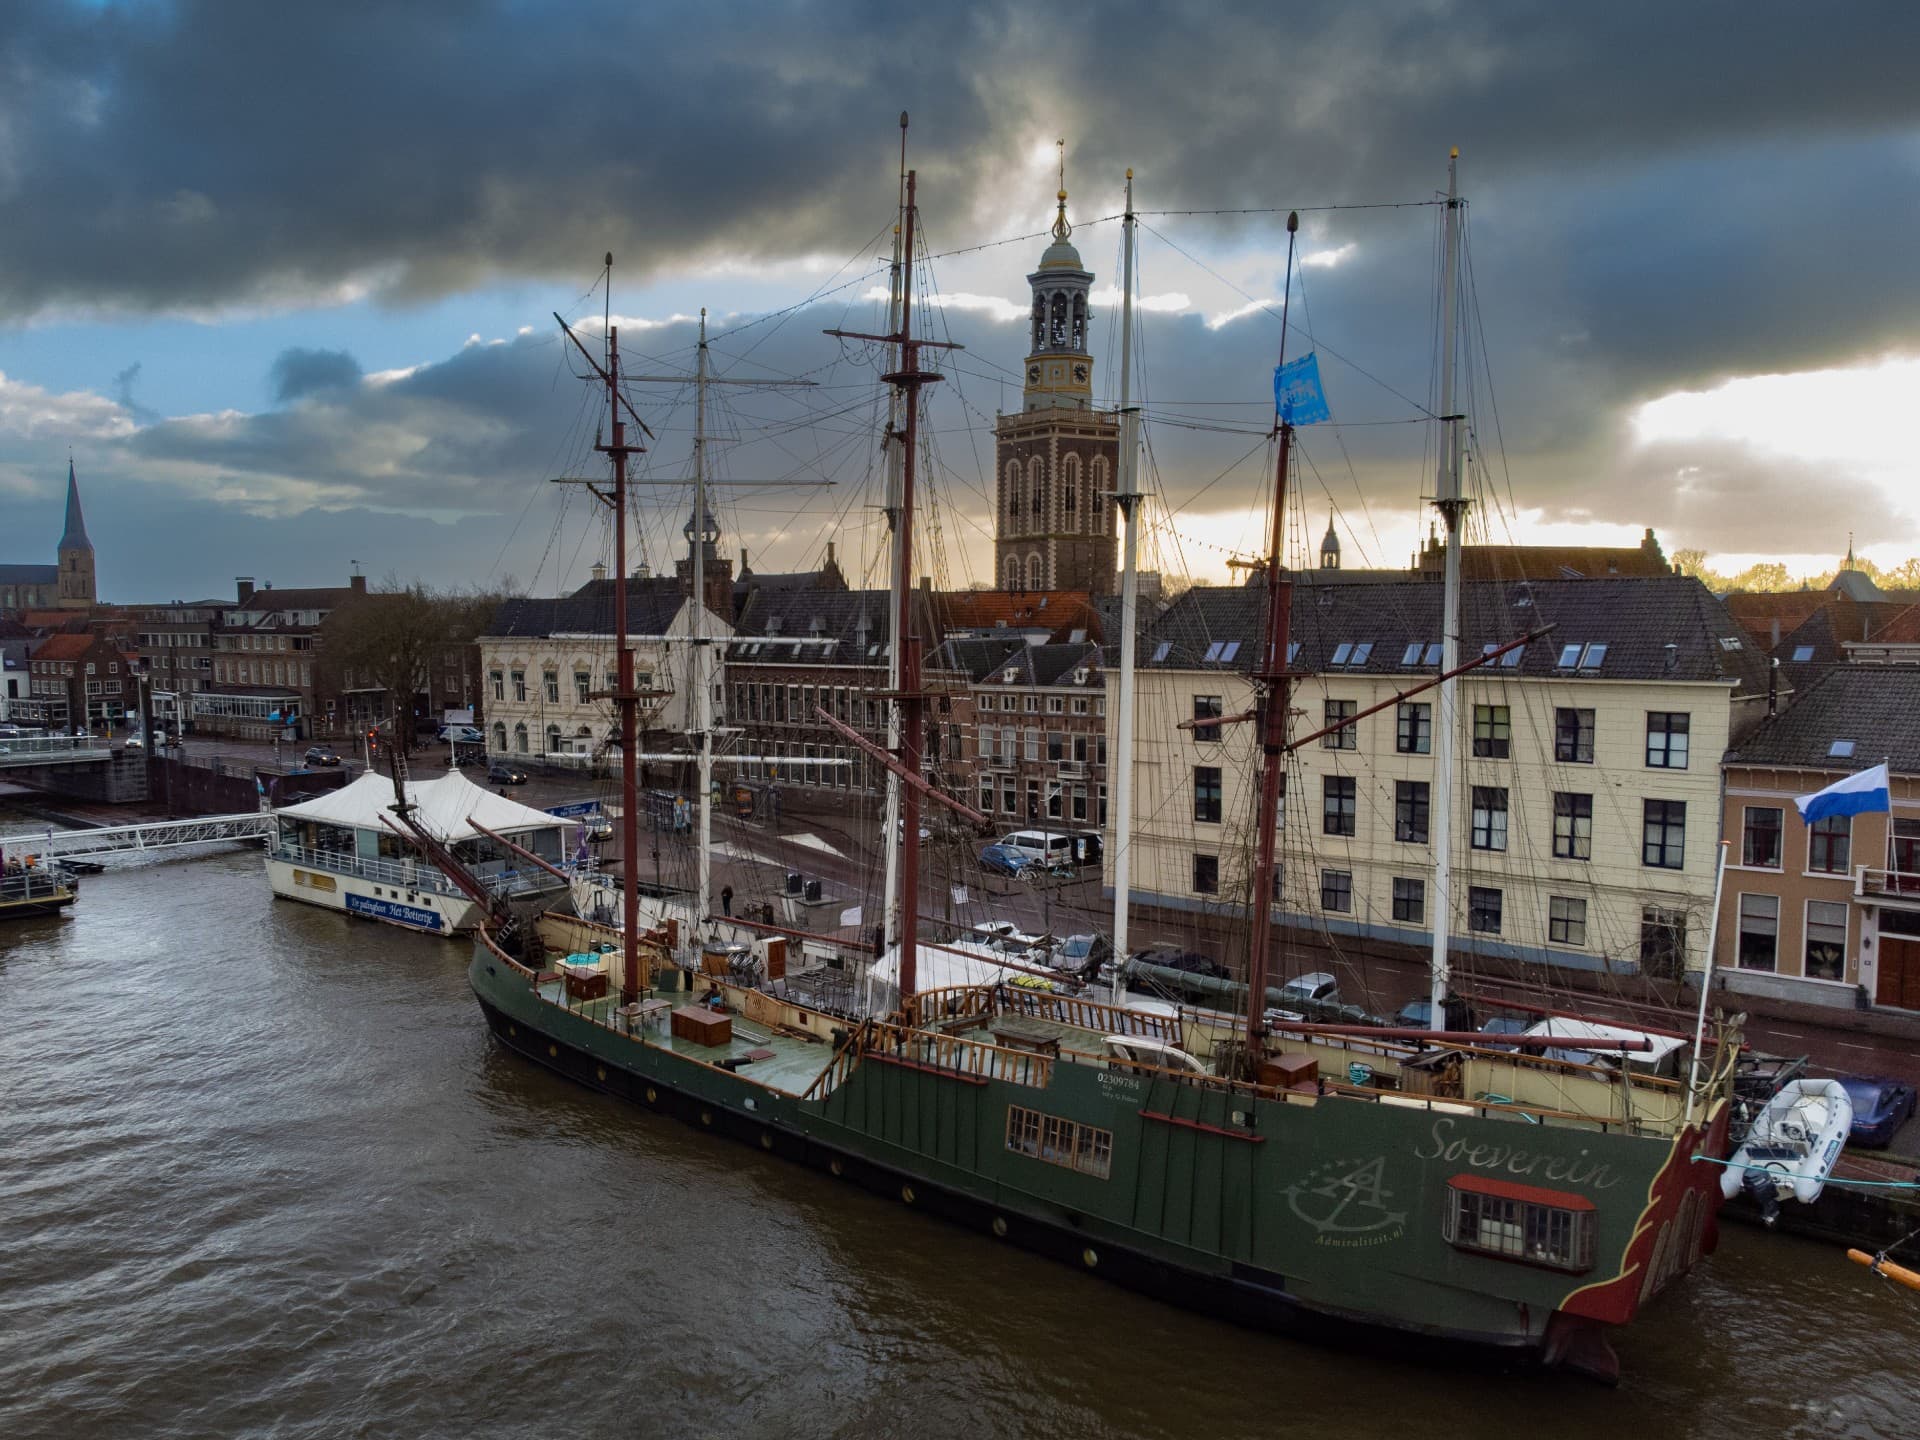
(1347, 1182)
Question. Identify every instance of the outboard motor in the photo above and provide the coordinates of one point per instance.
(1759, 1188)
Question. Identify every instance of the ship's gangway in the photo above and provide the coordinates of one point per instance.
(112, 840)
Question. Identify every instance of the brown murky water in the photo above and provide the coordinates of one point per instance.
(262, 1172)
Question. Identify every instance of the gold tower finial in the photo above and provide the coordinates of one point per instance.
(1061, 229)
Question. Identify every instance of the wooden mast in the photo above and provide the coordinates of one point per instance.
(908, 699)
(1271, 671)
(624, 697)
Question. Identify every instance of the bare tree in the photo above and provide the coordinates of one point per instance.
(391, 641)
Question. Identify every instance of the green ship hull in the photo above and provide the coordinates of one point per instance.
(1323, 1214)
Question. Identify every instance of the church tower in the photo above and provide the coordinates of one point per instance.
(1056, 459)
(76, 554)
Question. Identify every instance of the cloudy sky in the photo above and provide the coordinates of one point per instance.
(281, 280)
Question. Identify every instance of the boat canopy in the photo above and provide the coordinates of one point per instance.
(443, 807)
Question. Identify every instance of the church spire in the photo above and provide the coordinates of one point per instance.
(1062, 227)
(75, 537)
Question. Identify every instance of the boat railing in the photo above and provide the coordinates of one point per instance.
(499, 954)
(1095, 1016)
(407, 874)
(35, 884)
(956, 1055)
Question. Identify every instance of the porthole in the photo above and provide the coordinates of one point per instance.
(906, 1193)
(1089, 1258)
(766, 1139)
(553, 1051)
(1000, 1226)
(652, 1095)
(512, 1030)
(836, 1167)
(706, 1117)
(600, 1072)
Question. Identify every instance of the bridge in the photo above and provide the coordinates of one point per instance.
(116, 840)
(17, 751)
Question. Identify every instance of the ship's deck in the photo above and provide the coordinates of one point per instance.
(755, 1052)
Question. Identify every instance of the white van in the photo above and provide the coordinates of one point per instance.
(1043, 847)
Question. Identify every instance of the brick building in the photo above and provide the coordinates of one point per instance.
(79, 682)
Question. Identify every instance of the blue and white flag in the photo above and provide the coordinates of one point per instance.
(1297, 394)
(1868, 793)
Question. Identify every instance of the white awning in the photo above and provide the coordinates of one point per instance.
(443, 807)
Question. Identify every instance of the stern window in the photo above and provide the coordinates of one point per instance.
(1520, 1222)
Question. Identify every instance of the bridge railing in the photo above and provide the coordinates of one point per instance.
(39, 749)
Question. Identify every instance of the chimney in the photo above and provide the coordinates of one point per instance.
(245, 587)
(1775, 628)
(599, 571)
(745, 569)
(357, 584)
(830, 564)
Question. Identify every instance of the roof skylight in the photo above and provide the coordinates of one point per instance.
(1802, 654)
(1841, 750)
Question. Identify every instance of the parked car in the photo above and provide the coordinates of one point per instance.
(1318, 986)
(1504, 1025)
(1418, 1014)
(1880, 1107)
(1010, 940)
(1004, 860)
(501, 773)
(1047, 847)
(462, 735)
(322, 755)
(1083, 955)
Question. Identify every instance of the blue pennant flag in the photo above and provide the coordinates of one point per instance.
(1297, 394)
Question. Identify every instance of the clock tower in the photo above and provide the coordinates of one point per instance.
(1055, 459)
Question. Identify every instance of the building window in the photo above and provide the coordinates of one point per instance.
(1059, 1142)
(550, 686)
(1906, 846)
(1667, 739)
(1759, 931)
(1206, 794)
(1409, 900)
(1492, 731)
(1663, 941)
(1489, 817)
(1572, 826)
(499, 736)
(583, 686)
(1009, 796)
(1828, 844)
(1760, 837)
(1056, 802)
(1336, 891)
(1826, 940)
(1566, 920)
(1414, 735)
(1339, 802)
(1056, 747)
(1410, 811)
(553, 739)
(1483, 909)
(1482, 1216)
(1032, 742)
(1664, 834)
(1055, 705)
(520, 738)
(986, 793)
(520, 685)
(1206, 707)
(499, 681)
(1573, 736)
(1347, 737)
(1206, 874)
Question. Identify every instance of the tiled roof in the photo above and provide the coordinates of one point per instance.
(1055, 611)
(651, 608)
(29, 574)
(317, 597)
(1768, 615)
(1636, 619)
(1820, 640)
(1876, 707)
(977, 658)
(839, 627)
(1902, 629)
(65, 647)
(1051, 665)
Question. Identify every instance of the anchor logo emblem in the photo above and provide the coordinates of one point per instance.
(1345, 1201)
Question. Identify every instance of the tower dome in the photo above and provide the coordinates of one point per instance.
(1330, 547)
(1059, 365)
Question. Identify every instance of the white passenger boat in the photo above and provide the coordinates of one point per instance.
(1793, 1143)
(347, 851)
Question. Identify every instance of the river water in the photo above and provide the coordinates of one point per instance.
(263, 1172)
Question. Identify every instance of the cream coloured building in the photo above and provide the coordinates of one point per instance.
(544, 662)
(1587, 805)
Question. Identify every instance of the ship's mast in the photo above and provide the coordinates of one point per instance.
(624, 698)
(702, 678)
(890, 902)
(1271, 671)
(1127, 497)
(1451, 506)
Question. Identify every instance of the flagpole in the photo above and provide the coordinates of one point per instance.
(1706, 981)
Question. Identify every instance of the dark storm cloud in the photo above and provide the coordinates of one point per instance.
(298, 372)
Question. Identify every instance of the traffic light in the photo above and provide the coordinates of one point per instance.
(373, 740)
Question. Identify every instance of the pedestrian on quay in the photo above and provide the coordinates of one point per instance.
(726, 900)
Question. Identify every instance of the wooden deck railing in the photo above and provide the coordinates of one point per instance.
(1091, 1015)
